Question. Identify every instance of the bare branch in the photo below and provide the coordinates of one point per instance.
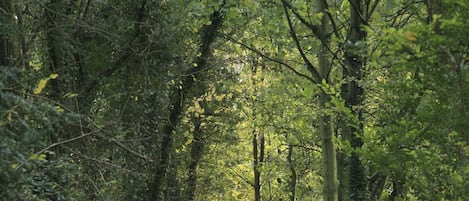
(107, 163)
(275, 60)
(65, 142)
(119, 144)
(57, 144)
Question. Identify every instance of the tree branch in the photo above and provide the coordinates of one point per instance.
(370, 12)
(334, 25)
(275, 60)
(57, 144)
(312, 27)
(310, 66)
(357, 10)
(177, 99)
(315, 30)
(64, 142)
(126, 54)
(107, 163)
(119, 144)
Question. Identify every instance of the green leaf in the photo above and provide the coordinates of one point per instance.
(308, 91)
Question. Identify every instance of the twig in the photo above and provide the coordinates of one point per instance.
(275, 60)
(56, 144)
(107, 163)
(119, 144)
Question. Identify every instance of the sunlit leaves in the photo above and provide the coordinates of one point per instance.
(416, 80)
(43, 82)
(38, 157)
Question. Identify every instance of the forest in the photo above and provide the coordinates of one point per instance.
(227, 100)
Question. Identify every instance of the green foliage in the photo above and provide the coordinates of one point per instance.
(27, 126)
(419, 129)
(88, 92)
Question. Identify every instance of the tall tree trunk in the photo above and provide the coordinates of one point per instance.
(257, 166)
(342, 166)
(22, 46)
(53, 39)
(258, 142)
(293, 180)
(177, 99)
(173, 189)
(354, 183)
(197, 147)
(6, 44)
(258, 145)
(434, 7)
(329, 158)
(330, 185)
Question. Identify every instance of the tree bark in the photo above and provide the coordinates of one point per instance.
(330, 185)
(434, 7)
(6, 44)
(354, 183)
(257, 166)
(293, 180)
(197, 147)
(177, 100)
(329, 158)
(53, 45)
(258, 142)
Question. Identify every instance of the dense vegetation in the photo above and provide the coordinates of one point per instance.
(234, 100)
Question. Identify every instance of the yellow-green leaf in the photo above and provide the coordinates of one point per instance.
(53, 76)
(59, 109)
(14, 165)
(40, 86)
(38, 157)
(219, 97)
(70, 95)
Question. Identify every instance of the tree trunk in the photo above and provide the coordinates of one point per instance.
(177, 100)
(434, 7)
(354, 183)
(6, 44)
(172, 192)
(197, 147)
(342, 164)
(329, 158)
(293, 180)
(258, 142)
(53, 45)
(330, 185)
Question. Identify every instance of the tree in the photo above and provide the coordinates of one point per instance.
(218, 100)
(415, 95)
(207, 38)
